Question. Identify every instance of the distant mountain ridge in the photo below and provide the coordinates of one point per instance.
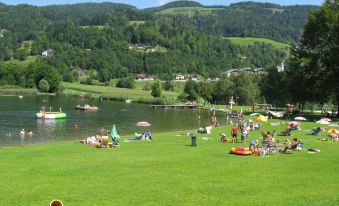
(245, 19)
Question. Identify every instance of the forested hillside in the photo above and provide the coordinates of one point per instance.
(103, 40)
(246, 19)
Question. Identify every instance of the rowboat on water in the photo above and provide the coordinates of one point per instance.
(86, 108)
(51, 115)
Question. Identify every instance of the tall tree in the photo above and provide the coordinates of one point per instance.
(319, 49)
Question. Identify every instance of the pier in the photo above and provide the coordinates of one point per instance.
(174, 106)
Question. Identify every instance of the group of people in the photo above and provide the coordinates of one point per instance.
(23, 133)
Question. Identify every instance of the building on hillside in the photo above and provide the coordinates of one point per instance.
(281, 67)
(145, 77)
(259, 71)
(251, 71)
(193, 77)
(48, 53)
(81, 72)
(179, 77)
(136, 46)
(88, 50)
(231, 72)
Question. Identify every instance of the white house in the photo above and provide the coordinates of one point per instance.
(48, 53)
(180, 77)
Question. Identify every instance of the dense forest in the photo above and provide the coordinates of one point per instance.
(98, 36)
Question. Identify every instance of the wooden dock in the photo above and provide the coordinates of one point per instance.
(174, 106)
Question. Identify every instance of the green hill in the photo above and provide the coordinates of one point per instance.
(245, 41)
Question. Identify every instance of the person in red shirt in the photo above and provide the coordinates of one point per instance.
(234, 133)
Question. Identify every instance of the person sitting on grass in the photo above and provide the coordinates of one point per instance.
(295, 144)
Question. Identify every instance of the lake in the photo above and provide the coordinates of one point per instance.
(17, 114)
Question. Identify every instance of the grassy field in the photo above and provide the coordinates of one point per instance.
(136, 22)
(190, 11)
(245, 41)
(13, 90)
(137, 94)
(166, 171)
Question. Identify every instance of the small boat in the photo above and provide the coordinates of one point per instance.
(20, 97)
(128, 101)
(86, 108)
(51, 115)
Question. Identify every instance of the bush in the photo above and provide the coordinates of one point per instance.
(183, 97)
(156, 89)
(126, 83)
(168, 86)
(147, 86)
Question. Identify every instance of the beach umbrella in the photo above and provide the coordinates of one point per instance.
(114, 133)
(322, 122)
(333, 131)
(248, 120)
(326, 119)
(261, 118)
(254, 114)
(143, 124)
(300, 118)
(295, 124)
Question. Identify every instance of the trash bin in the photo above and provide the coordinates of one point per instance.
(194, 140)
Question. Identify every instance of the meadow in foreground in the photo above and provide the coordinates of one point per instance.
(166, 171)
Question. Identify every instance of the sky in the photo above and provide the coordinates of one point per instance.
(153, 3)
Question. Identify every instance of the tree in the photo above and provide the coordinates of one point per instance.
(43, 85)
(191, 89)
(126, 83)
(222, 92)
(206, 91)
(156, 89)
(168, 86)
(319, 50)
(273, 87)
(39, 70)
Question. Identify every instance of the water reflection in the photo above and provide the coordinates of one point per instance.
(49, 125)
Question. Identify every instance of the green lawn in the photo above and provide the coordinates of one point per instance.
(122, 93)
(168, 172)
(190, 11)
(245, 41)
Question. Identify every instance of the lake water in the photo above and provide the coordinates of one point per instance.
(17, 114)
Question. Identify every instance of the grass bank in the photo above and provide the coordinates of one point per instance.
(168, 172)
(14, 90)
(119, 94)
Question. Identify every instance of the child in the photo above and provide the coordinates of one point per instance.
(254, 145)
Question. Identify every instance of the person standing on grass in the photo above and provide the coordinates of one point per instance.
(243, 135)
(234, 133)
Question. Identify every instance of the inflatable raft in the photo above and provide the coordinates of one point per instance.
(241, 151)
(51, 115)
(86, 108)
